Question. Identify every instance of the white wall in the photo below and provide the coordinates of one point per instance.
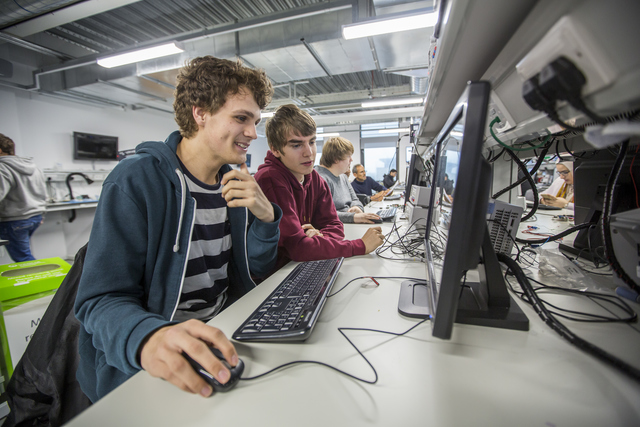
(42, 128)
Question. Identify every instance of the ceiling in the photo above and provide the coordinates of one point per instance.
(51, 47)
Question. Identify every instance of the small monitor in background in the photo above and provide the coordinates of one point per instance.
(88, 146)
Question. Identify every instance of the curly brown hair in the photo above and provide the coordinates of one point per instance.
(288, 118)
(207, 82)
(335, 150)
(7, 145)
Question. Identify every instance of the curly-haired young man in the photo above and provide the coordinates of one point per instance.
(177, 236)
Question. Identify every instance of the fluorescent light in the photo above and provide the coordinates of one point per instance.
(388, 102)
(456, 133)
(385, 26)
(267, 115)
(139, 55)
(395, 130)
(327, 135)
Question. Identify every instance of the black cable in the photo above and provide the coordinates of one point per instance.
(557, 236)
(548, 318)
(497, 156)
(535, 168)
(536, 202)
(341, 330)
(611, 299)
(606, 219)
(371, 278)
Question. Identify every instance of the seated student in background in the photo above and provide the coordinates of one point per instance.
(389, 179)
(560, 193)
(176, 237)
(363, 184)
(310, 228)
(334, 162)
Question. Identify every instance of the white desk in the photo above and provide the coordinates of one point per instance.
(481, 377)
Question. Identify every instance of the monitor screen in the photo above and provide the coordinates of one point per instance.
(452, 296)
(415, 175)
(87, 146)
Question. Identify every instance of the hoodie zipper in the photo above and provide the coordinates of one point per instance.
(176, 247)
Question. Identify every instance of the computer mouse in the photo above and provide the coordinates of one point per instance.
(233, 379)
(377, 221)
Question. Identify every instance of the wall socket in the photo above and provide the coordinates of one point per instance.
(569, 38)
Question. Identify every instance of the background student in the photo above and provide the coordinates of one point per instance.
(334, 163)
(23, 197)
(389, 179)
(310, 228)
(175, 233)
(363, 184)
(560, 193)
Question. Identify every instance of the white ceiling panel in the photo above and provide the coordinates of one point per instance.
(287, 64)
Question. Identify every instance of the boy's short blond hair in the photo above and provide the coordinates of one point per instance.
(334, 150)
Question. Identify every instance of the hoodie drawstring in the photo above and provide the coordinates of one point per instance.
(176, 246)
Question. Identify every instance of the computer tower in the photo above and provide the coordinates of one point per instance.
(503, 220)
(420, 195)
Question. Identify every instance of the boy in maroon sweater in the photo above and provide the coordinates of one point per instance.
(309, 228)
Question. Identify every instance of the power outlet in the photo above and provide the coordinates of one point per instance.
(498, 109)
(569, 38)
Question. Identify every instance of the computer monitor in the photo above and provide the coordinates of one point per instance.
(88, 146)
(415, 175)
(452, 296)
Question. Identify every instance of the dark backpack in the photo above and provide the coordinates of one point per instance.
(43, 390)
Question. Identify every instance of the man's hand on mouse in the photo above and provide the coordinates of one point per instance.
(241, 190)
(161, 355)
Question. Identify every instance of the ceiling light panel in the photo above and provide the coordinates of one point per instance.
(392, 25)
(139, 55)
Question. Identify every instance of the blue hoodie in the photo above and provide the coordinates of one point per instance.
(136, 259)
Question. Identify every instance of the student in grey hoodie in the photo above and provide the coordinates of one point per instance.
(23, 196)
(334, 163)
(177, 237)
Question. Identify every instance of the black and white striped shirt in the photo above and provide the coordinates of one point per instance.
(205, 282)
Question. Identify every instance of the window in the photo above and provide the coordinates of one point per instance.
(378, 151)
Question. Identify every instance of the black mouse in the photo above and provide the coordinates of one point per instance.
(233, 379)
(377, 221)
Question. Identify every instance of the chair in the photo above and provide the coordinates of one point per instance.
(364, 199)
(43, 390)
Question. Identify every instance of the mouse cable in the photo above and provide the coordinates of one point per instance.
(373, 278)
(548, 318)
(342, 331)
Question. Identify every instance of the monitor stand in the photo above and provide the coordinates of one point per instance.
(484, 303)
(488, 302)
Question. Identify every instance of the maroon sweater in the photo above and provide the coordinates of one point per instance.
(309, 203)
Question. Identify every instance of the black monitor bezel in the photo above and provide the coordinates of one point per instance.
(103, 139)
(488, 302)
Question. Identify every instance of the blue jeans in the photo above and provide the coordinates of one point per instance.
(18, 234)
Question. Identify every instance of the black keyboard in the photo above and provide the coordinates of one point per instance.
(387, 214)
(291, 311)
